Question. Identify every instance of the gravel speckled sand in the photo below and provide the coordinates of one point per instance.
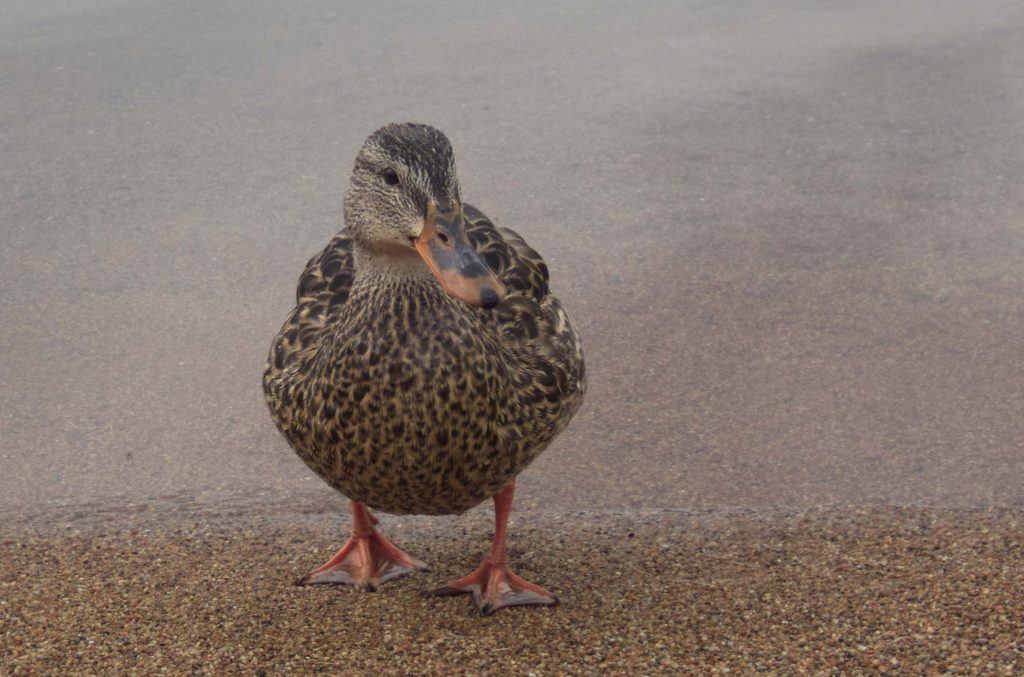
(902, 591)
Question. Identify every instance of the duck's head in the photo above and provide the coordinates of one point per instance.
(403, 203)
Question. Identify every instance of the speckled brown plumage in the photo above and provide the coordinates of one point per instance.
(410, 401)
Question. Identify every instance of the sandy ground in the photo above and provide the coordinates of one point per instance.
(841, 592)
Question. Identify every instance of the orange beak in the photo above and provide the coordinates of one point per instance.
(453, 261)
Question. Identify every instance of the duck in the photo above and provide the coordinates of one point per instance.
(425, 365)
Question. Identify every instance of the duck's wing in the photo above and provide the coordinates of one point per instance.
(531, 321)
(325, 283)
(515, 263)
(323, 290)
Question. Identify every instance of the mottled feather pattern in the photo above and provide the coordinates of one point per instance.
(413, 402)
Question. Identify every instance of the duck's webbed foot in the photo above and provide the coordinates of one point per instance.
(492, 585)
(366, 560)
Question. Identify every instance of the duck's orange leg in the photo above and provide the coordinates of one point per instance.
(367, 559)
(492, 585)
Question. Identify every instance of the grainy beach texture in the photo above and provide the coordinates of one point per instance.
(841, 592)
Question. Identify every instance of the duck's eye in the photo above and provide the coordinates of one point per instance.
(390, 177)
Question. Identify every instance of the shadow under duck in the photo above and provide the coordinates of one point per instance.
(426, 362)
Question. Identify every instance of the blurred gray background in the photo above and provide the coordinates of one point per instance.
(791, 232)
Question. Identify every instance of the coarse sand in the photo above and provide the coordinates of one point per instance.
(885, 590)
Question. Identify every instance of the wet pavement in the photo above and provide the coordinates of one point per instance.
(792, 235)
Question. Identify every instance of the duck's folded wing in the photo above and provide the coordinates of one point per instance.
(531, 319)
(515, 263)
(322, 292)
(327, 279)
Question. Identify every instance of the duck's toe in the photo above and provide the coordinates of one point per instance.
(365, 561)
(493, 587)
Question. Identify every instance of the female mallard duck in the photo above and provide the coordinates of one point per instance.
(425, 364)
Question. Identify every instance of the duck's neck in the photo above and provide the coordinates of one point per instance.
(391, 270)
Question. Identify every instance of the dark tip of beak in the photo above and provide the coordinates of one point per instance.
(488, 297)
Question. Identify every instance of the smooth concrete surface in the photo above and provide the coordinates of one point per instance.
(791, 232)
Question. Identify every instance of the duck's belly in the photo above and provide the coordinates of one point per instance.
(409, 435)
